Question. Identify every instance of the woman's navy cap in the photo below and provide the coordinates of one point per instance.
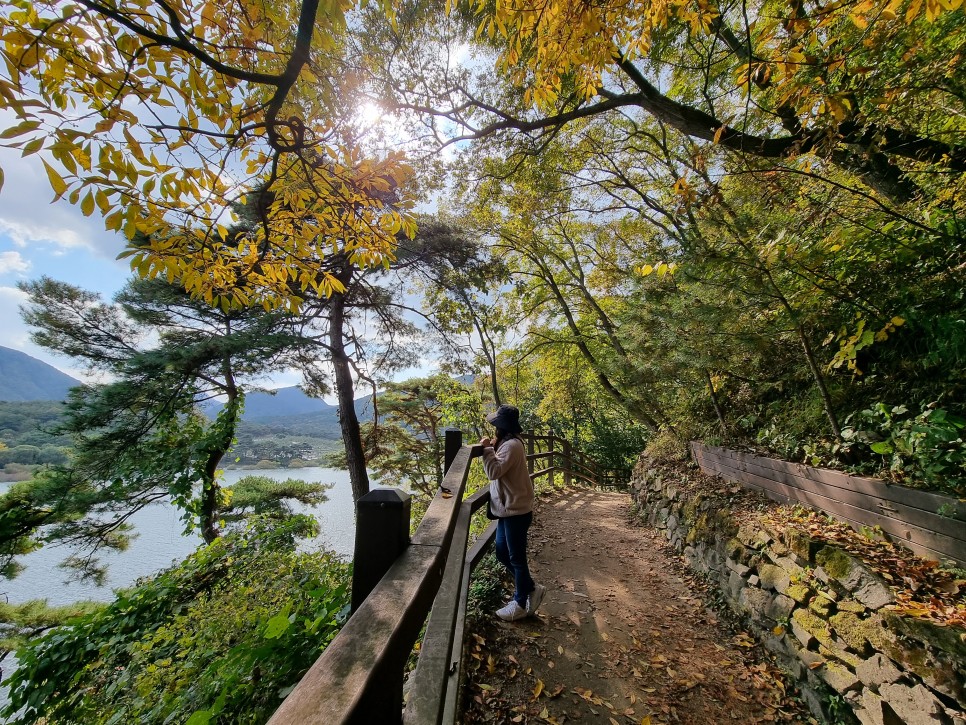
(507, 418)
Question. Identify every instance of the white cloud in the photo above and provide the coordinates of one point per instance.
(13, 263)
(28, 217)
(23, 233)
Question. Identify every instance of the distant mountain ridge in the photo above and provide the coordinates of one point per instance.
(284, 402)
(24, 378)
(291, 402)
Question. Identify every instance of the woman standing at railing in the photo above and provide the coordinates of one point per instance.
(511, 503)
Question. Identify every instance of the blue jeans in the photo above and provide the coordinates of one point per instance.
(511, 550)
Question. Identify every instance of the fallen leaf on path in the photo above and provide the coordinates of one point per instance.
(538, 689)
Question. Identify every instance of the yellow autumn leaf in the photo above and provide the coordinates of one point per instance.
(538, 689)
(57, 183)
(87, 205)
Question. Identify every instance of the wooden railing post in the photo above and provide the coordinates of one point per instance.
(569, 463)
(530, 435)
(382, 534)
(454, 441)
(553, 475)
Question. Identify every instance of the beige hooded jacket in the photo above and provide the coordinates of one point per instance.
(511, 490)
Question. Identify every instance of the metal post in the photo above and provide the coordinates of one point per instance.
(382, 534)
(454, 441)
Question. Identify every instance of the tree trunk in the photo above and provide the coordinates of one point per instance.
(345, 391)
(716, 403)
(820, 382)
(224, 429)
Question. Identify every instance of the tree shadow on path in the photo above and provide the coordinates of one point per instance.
(623, 635)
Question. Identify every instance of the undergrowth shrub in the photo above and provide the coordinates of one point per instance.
(223, 636)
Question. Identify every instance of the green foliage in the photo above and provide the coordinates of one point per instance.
(27, 440)
(141, 436)
(406, 447)
(486, 587)
(226, 634)
(21, 622)
(924, 449)
(268, 498)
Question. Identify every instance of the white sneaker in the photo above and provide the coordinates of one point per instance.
(535, 598)
(511, 612)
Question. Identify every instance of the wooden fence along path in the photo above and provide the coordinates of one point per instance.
(930, 524)
(396, 582)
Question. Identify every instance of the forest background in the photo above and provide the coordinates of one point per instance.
(641, 223)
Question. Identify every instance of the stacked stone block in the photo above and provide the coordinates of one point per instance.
(821, 612)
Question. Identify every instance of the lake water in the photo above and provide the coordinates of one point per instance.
(160, 542)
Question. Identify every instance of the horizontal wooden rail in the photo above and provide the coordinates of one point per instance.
(564, 458)
(429, 682)
(454, 675)
(930, 524)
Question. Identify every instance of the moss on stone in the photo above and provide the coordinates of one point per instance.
(814, 625)
(951, 639)
(839, 654)
(851, 630)
(801, 544)
(689, 511)
(850, 605)
(822, 606)
(800, 593)
(835, 562)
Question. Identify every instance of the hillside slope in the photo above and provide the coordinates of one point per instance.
(24, 378)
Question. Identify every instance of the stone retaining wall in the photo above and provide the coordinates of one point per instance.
(824, 615)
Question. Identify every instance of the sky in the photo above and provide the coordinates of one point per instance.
(39, 238)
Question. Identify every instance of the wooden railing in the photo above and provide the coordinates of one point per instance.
(561, 457)
(358, 679)
(930, 524)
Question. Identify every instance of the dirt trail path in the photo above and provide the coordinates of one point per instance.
(623, 635)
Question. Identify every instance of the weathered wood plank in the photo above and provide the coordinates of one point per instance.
(893, 509)
(929, 543)
(455, 673)
(925, 500)
(346, 683)
(429, 680)
(377, 638)
(440, 518)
